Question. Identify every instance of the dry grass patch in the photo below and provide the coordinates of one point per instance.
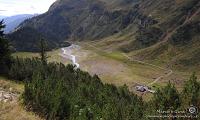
(14, 110)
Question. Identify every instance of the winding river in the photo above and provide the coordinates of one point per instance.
(67, 53)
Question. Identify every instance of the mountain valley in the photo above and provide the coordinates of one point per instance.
(103, 60)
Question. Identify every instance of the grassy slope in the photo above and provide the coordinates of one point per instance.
(179, 57)
(14, 111)
(183, 60)
(112, 67)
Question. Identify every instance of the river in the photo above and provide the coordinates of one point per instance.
(67, 53)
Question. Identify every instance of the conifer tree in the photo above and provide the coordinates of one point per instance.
(5, 54)
(167, 98)
(191, 92)
(43, 49)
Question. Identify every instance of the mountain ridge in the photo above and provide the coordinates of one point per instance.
(13, 21)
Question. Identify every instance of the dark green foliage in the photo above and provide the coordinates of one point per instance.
(2, 26)
(167, 98)
(190, 6)
(43, 49)
(185, 33)
(61, 92)
(145, 37)
(22, 69)
(28, 39)
(148, 36)
(5, 54)
(191, 92)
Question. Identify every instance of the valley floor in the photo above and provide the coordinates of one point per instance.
(118, 68)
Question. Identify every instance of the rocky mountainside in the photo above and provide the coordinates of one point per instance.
(156, 27)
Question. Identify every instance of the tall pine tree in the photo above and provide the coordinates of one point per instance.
(4, 51)
(43, 49)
